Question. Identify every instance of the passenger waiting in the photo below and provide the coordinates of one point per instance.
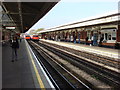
(75, 37)
(15, 46)
(95, 40)
(92, 40)
(71, 38)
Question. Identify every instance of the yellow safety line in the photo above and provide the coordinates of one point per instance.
(37, 74)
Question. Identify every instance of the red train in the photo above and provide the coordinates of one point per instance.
(35, 38)
(27, 37)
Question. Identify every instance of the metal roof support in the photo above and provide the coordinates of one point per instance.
(20, 14)
(26, 14)
(4, 12)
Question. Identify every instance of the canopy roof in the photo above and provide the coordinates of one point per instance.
(26, 14)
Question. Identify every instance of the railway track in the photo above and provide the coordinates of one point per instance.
(94, 57)
(110, 77)
(61, 78)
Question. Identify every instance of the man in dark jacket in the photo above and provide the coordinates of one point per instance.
(15, 46)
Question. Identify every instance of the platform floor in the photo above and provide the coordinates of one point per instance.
(23, 73)
(113, 53)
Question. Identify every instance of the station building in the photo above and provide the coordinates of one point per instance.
(103, 26)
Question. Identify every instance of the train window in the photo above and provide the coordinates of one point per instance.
(35, 36)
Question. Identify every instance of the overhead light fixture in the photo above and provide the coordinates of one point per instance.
(10, 27)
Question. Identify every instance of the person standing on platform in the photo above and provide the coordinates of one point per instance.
(79, 37)
(75, 37)
(92, 38)
(15, 46)
(95, 40)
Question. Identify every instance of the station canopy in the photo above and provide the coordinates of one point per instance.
(25, 14)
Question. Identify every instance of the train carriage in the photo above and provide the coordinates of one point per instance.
(27, 37)
(35, 38)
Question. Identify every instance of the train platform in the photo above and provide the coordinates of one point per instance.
(26, 72)
(109, 52)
